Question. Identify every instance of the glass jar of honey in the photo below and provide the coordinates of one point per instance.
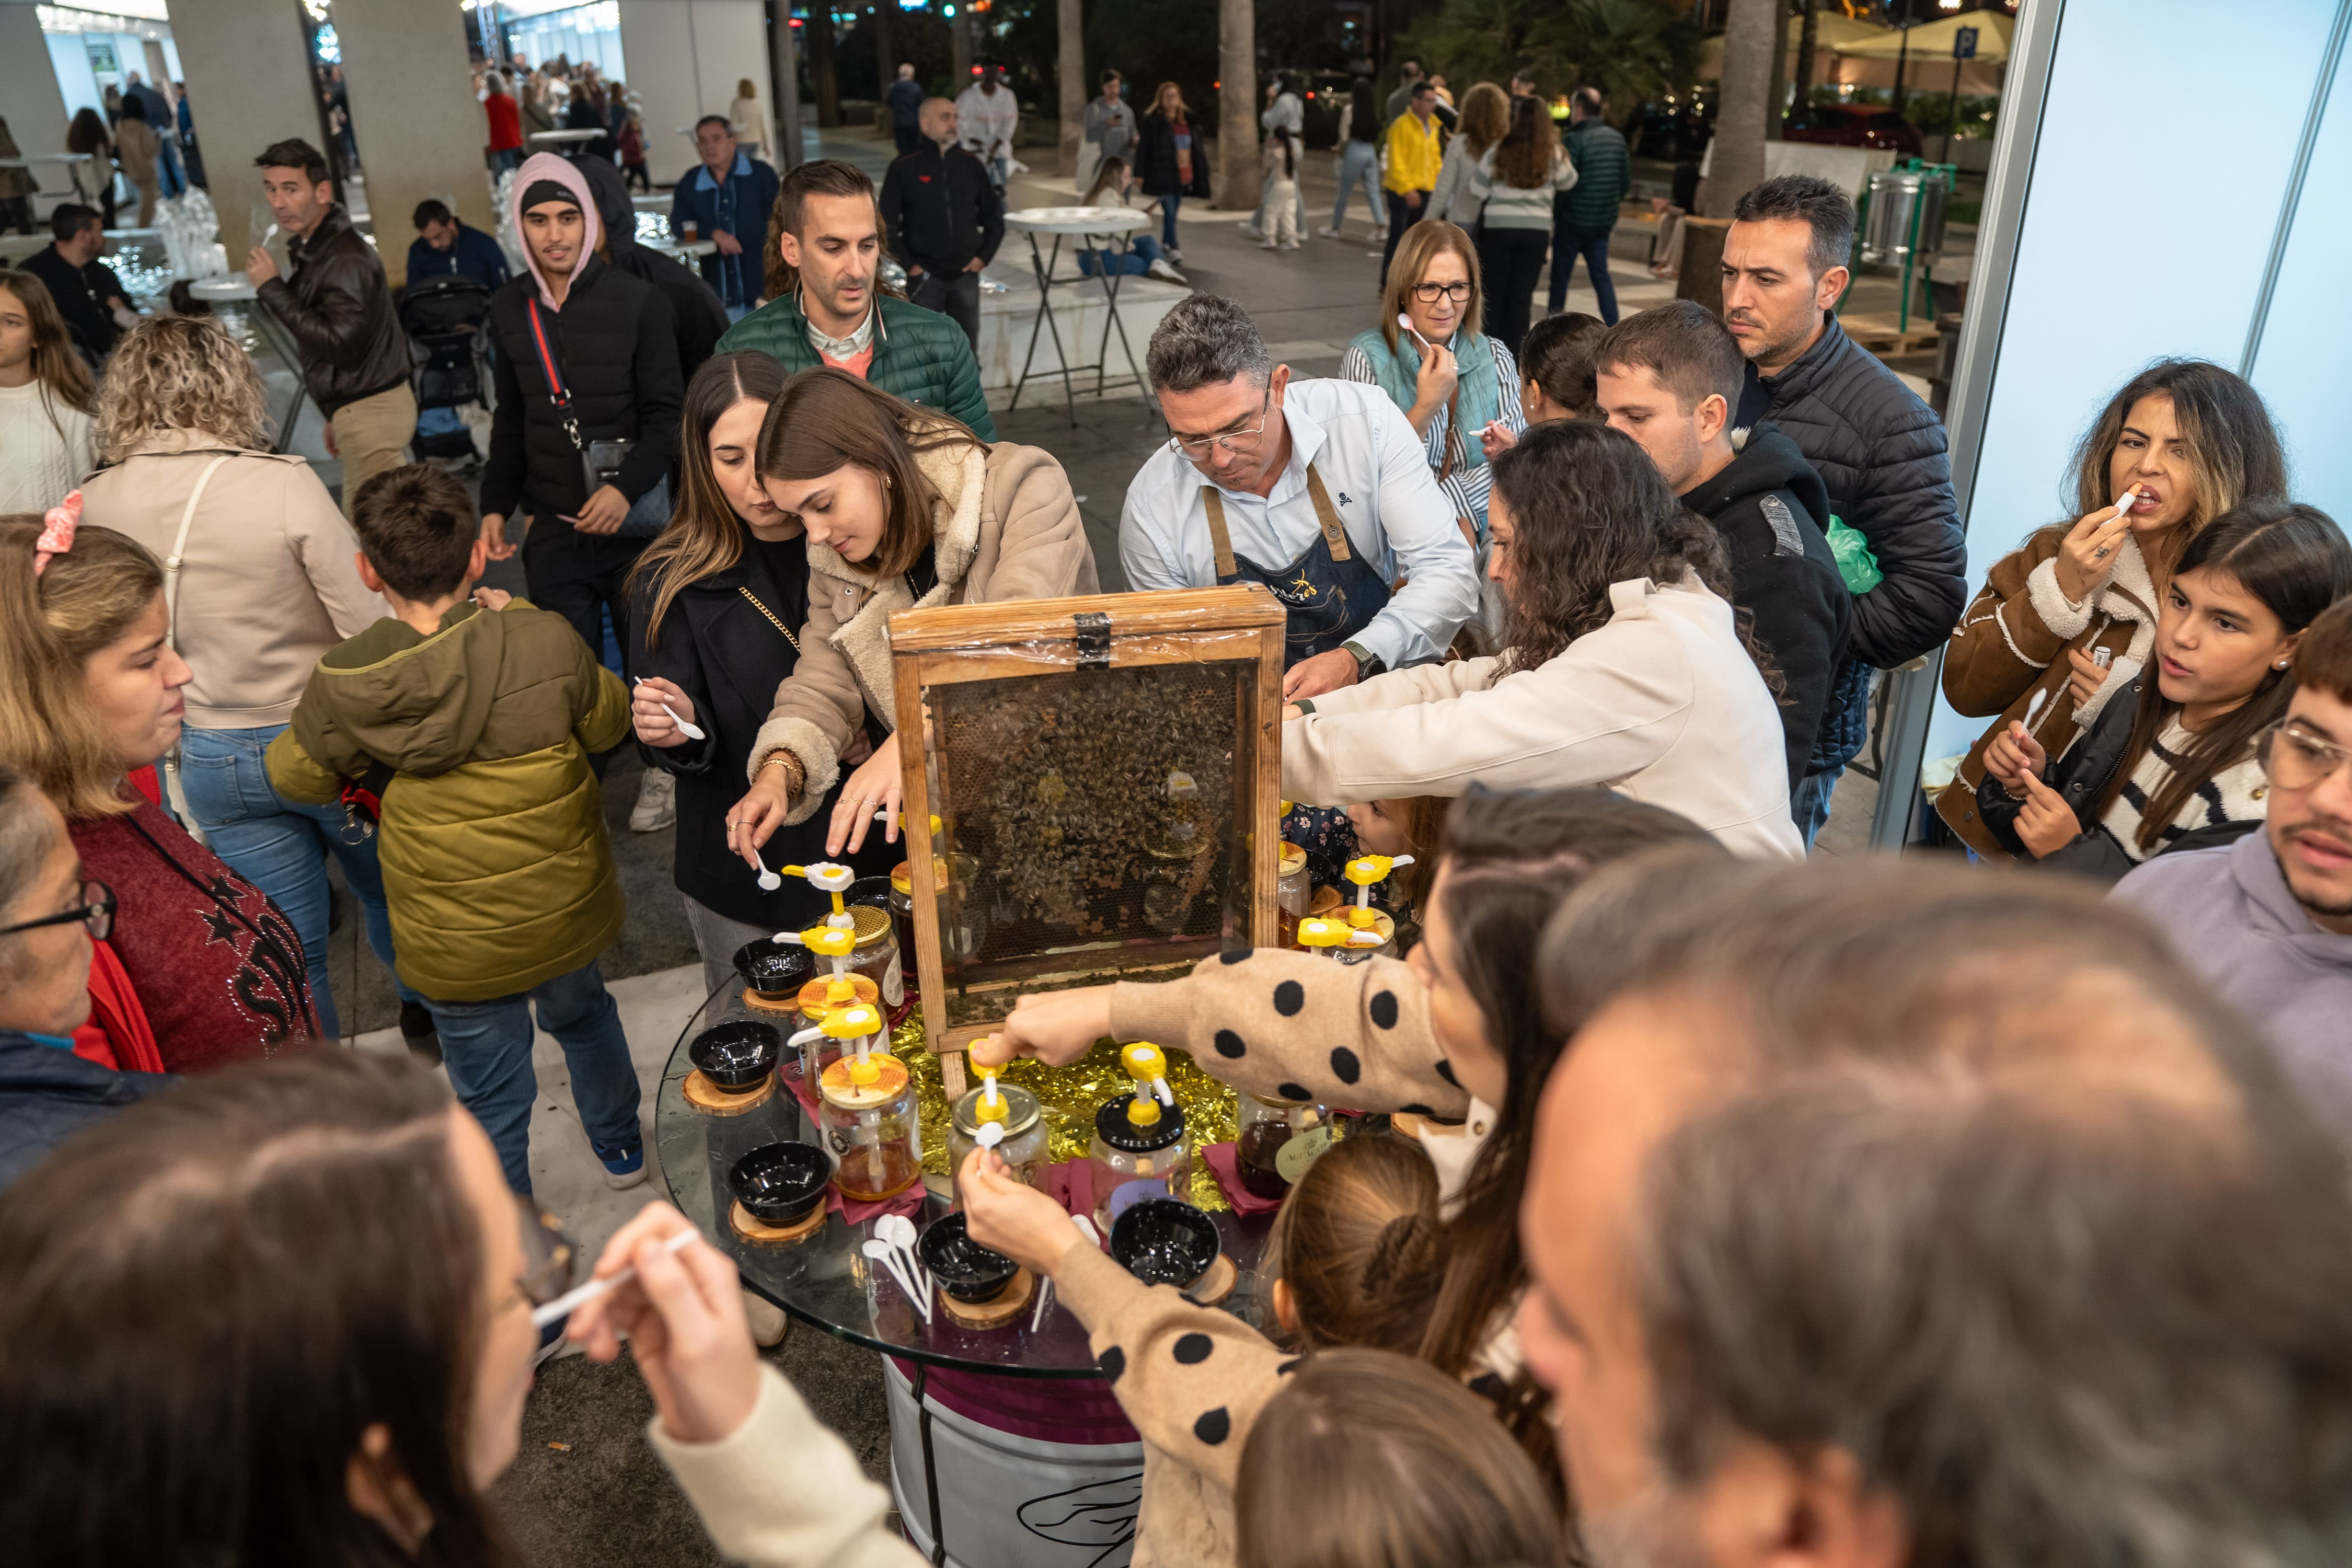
(1017, 1112)
(871, 1125)
(1275, 1139)
(1141, 1148)
(1293, 891)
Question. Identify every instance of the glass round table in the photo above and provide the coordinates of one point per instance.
(1029, 1472)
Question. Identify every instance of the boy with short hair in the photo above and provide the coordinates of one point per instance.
(471, 718)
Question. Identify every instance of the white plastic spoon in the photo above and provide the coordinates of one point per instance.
(769, 880)
(899, 1232)
(882, 1252)
(562, 1305)
(692, 732)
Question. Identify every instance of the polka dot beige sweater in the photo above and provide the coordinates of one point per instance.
(1193, 1379)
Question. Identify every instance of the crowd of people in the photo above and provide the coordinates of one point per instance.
(1731, 1206)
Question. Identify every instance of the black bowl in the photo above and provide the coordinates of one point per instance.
(965, 1270)
(1164, 1242)
(737, 1056)
(775, 968)
(781, 1183)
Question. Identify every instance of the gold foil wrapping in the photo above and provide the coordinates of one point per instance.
(1070, 1097)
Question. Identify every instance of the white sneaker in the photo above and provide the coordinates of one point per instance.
(1289, 245)
(1380, 233)
(1269, 244)
(1167, 274)
(767, 1320)
(657, 806)
(1327, 232)
(1251, 229)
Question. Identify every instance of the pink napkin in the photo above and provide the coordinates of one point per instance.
(1220, 1157)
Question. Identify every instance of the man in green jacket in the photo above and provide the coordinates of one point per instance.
(1582, 215)
(470, 721)
(824, 307)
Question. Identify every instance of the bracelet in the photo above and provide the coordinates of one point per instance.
(1303, 704)
(789, 763)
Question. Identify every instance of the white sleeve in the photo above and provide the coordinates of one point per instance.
(1150, 556)
(1591, 720)
(1441, 590)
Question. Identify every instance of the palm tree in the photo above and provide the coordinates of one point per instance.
(1635, 51)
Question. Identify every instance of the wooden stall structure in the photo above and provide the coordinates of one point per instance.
(1105, 772)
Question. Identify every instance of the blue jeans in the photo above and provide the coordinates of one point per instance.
(282, 847)
(1568, 243)
(1359, 165)
(1141, 252)
(1809, 805)
(167, 166)
(486, 1049)
(1168, 205)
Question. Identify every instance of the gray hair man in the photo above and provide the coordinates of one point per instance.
(1318, 490)
(1888, 1216)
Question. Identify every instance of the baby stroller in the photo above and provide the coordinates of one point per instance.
(443, 318)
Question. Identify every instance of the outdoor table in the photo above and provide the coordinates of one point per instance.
(681, 249)
(584, 133)
(1114, 225)
(974, 1439)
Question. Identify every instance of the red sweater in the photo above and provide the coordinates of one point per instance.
(217, 966)
(506, 122)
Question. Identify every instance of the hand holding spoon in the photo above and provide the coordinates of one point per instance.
(692, 732)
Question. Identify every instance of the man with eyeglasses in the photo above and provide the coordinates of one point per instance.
(2268, 921)
(48, 915)
(1318, 490)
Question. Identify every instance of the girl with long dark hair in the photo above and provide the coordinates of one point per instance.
(2170, 764)
(1514, 183)
(1455, 1033)
(722, 595)
(46, 400)
(2071, 614)
(1623, 664)
(1359, 159)
(904, 508)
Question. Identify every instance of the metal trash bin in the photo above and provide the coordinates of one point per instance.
(1905, 217)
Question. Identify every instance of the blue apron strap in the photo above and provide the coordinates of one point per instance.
(1219, 540)
(1335, 533)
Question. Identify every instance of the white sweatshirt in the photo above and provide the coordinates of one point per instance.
(41, 458)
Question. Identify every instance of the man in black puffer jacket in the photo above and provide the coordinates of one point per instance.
(1878, 448)
(1667, 378)
(615, 348)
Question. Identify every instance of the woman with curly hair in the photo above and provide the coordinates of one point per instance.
(1623, 664)
(268, 580)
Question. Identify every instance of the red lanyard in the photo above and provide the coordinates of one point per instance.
(558, 394)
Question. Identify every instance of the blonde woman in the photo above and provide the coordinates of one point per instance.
(44, 399)
(268, 582)
(751, 124)
(1485, 116)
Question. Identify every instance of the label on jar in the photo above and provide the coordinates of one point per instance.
(893, 981)
(1301, 1150)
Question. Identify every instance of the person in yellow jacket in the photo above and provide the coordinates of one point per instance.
(1416, 147)
(470, 718)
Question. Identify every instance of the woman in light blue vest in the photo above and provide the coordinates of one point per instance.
(1449, 381)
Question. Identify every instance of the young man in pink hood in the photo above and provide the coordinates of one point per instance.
(589, 396)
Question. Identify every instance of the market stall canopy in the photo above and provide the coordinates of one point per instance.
(1932, 40)
(1830, 34)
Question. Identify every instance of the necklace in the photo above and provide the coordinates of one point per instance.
(771, 617)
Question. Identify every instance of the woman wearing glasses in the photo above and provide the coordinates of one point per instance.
(902, 509)
(347, 1393)
(1427, 354)
(2171, 763)
(91, 692)
(49, 916)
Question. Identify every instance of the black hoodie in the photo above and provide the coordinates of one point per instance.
(698, 316)
(1768, 507)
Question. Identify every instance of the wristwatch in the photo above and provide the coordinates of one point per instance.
(1368, 663)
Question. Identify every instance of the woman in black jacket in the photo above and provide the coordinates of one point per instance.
(722, 599)
(2171, 761)
(1170, 160)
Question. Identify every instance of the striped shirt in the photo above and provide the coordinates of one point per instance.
(2234, 794)
(1468, 485)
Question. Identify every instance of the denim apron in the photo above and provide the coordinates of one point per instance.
(1329, 594)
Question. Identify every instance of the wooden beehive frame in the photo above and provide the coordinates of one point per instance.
(957, 644)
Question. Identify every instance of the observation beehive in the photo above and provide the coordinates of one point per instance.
(1104, 771)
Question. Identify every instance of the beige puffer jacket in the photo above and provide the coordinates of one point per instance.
(1006, 527)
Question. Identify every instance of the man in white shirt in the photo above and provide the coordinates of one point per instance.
(988, 118)
(1320, 490)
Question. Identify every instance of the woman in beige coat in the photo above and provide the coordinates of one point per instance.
(267, 581)
(905, 509)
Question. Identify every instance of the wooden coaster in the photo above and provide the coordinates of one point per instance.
(712, 1101)
(991, 1314)
(775, 1006)
(760, 1232)
(1215, 1285)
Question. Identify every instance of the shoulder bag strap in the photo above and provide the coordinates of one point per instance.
(172, 789)
(558, 394)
